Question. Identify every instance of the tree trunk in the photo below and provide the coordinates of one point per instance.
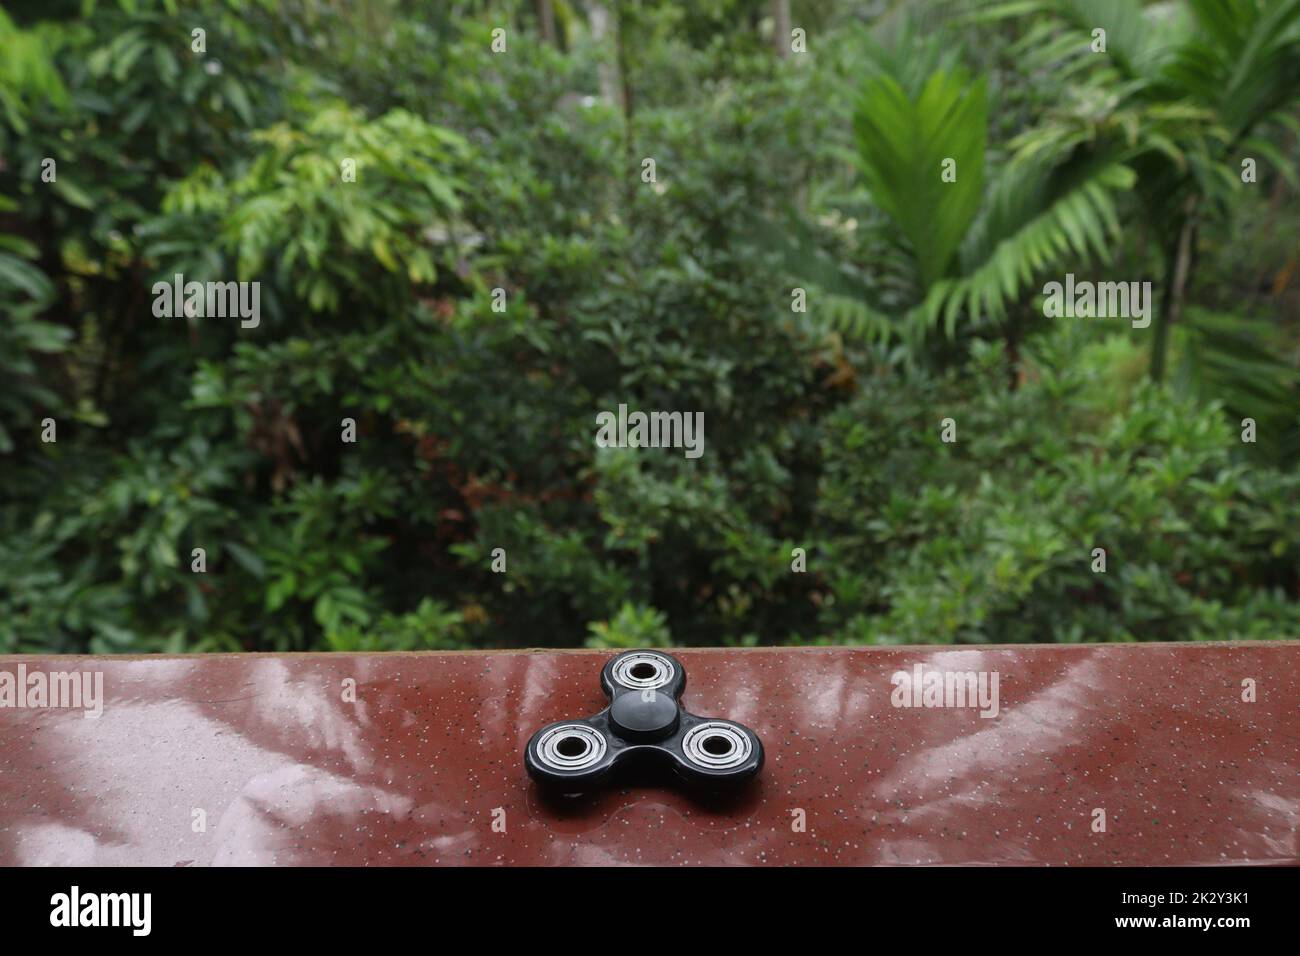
(1178, 271)
(546, 21)
(602, 25)
(781, 27)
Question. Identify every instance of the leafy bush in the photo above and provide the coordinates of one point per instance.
(499, 271)
(991, 538)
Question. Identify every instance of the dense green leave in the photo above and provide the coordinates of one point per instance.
(498, 271)
(907, 143)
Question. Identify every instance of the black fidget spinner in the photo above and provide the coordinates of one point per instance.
(644, 723)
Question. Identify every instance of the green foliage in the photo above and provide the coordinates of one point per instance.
(906, 142)
(1178, 93)
(1034, 222)
(28, 78)
(474, 417)
(991, 538)
(431, 626)
(1041, 209)
(632, 626)
(1243, 59)
(28, 82)
(1237, 361)
(328, 241)
(24, 339)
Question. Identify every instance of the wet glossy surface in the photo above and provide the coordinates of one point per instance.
(286, 771)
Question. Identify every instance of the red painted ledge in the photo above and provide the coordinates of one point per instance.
(280, 769)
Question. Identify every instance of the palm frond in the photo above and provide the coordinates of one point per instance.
(1245, 60)
(903, 143)
(1032, 226)
(854, 318)
(1139, 39)
(1234, 360)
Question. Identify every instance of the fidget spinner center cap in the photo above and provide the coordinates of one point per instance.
(644, 715)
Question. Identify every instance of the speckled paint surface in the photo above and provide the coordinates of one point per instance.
(288, 772)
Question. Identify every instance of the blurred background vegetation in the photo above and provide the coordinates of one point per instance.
(776, 169)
